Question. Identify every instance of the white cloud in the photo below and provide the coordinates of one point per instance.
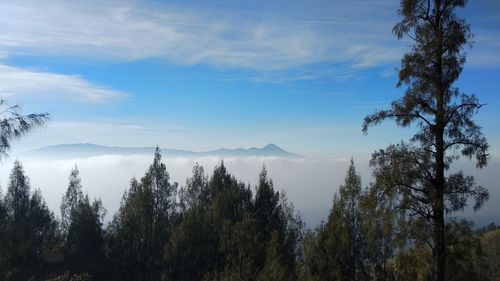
(309, 183)
(274, 36)
(261, 40)
(19, 82)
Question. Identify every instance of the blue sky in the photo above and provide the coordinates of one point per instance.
(199, 75)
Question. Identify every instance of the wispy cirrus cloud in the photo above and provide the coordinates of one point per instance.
(258, 39)
(276, 39)
(482, 54)
(24, 83)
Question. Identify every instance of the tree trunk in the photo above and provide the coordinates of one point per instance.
(439, 224)
(438, 212)
(439, 240)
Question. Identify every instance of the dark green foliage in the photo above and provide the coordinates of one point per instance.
(443, 116)
(193, 249)
(382, 236)
(414, 264)
(314, 266)
(14, 125)
(275, 263)
(340, 253)
(18, 193)
(82, 229)
(218, 229)
(196, 193)
(489, 256)
(3, 225)
(464, 252)
(490, 227)
(141, 228)
(279, 230)
(227, 234)
(220, 206)
(28, 230)
(267, 214)
(464, 255)
(238, 244)
(72, 198)
(85, 242)
(346, 223)
(388, 243)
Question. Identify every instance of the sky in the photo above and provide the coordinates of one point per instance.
(201, 75)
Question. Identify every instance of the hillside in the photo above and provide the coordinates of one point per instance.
(490, 244)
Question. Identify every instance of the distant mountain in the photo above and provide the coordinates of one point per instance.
(88, 149)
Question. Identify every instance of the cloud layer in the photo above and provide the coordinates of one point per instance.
(309, 183)
(23, 83)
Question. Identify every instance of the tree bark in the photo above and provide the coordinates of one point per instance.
(439, 223)
(439, 239)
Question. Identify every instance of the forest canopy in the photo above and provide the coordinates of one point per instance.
(215, 227)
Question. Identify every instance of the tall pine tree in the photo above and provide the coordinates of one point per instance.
(142, 227)
(71, 199)
(29, 230)
(82, 231)
(441, 113)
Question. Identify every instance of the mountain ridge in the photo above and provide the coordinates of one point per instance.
(89, 149)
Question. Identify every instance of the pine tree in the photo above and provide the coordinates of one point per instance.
(193, 248)
(82, 230)
(13, 124)
(345, 226)
(337, 250)
(380, 220)
(3, 225)
(238, 244)
(275, 267)
(315, 265)
(267, 214)
(29, 230)
(142, 227)
(18, 193)
(195, 193)
(279, 228)
(442, 114)
(71, 199)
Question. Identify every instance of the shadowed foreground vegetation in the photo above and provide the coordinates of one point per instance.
(217, 228)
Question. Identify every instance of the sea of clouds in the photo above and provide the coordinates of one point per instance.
(309, 183)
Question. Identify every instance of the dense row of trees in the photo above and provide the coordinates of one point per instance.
(371, 235)
(217, 228)
(213, 228)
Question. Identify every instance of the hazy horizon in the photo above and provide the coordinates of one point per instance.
(196, 76)
(310, 182)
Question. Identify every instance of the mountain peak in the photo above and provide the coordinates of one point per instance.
(272, 146)
(88, 149)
